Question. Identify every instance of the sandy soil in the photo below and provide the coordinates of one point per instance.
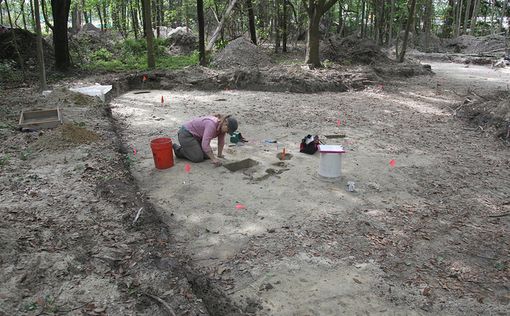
(427, 235)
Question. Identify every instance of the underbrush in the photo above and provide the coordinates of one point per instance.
(131, 54)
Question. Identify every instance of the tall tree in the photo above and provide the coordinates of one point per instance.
(284, 26)
(276, 25)
(390, 22)
(224, 18)
(315, 10)
(40, 54)
(466, 17)
(149, 36)
(60, 12)
(427, 23)
(449, 19)
(201, 32)
(458, 18)
(474, 16)
(408, 29)
(363, 18)
(503, 13)
(251, 21)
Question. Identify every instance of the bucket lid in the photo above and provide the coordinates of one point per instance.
(331, 149)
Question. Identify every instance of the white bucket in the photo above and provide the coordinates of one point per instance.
(330, 165)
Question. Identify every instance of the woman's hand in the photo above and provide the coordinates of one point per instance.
(216, 162)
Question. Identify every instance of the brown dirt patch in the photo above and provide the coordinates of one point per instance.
(241, 53)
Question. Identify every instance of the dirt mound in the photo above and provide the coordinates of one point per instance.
(435, 44)
(468, 44)
(27, 47)
(89, 43)
(352, 50)
(89, 27)
(62, 97)
(65, 136)
(241, 53)
(489, 114)
(181, 41)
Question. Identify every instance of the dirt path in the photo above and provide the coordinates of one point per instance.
(415, 238)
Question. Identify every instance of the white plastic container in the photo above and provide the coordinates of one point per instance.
(330, 165)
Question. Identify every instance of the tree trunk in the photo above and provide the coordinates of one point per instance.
(134, 19)
(408, 28)
(32, 16)
(105, 16)
(251, 22)
(149, 36)
(380, 22)
(23, 14)
(45, 15)
(276, 25)
(340, 26)
(427, 24)
(474, 16)
(315, 10)
(98, 7)
(503, 14)
(363, 18)
(40, 53)
(458, 18)
(392, 17)
(448, 21)
(493, 10)
(83, 11)
(201, 32)
(284, 27)
(313, 37)
(60, 10)
(466, 17)
(216, 33)
(158, 16)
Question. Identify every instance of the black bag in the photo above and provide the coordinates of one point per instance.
(309, 144)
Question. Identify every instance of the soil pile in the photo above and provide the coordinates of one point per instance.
(241, 53)
(67, 135)
(181, 41)
(468, 44)
(86, 43)
(490, 113)
(26, 45)
(352, 50)
(434, 45)
(89, 27)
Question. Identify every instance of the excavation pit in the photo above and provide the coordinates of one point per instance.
(241, 165)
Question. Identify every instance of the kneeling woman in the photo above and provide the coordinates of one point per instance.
(195, 137)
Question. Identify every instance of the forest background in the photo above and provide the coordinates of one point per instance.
(123, 40)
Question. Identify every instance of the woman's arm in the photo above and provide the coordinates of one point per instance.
(221, 144)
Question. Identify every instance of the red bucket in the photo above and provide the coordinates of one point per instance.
(162, 152)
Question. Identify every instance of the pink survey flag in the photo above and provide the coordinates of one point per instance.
(187, 168)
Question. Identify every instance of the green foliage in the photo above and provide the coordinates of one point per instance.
(101, 55)
(140, 63)
(131, 54)
(221, 43)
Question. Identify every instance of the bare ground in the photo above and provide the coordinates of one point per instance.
(427, 236)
